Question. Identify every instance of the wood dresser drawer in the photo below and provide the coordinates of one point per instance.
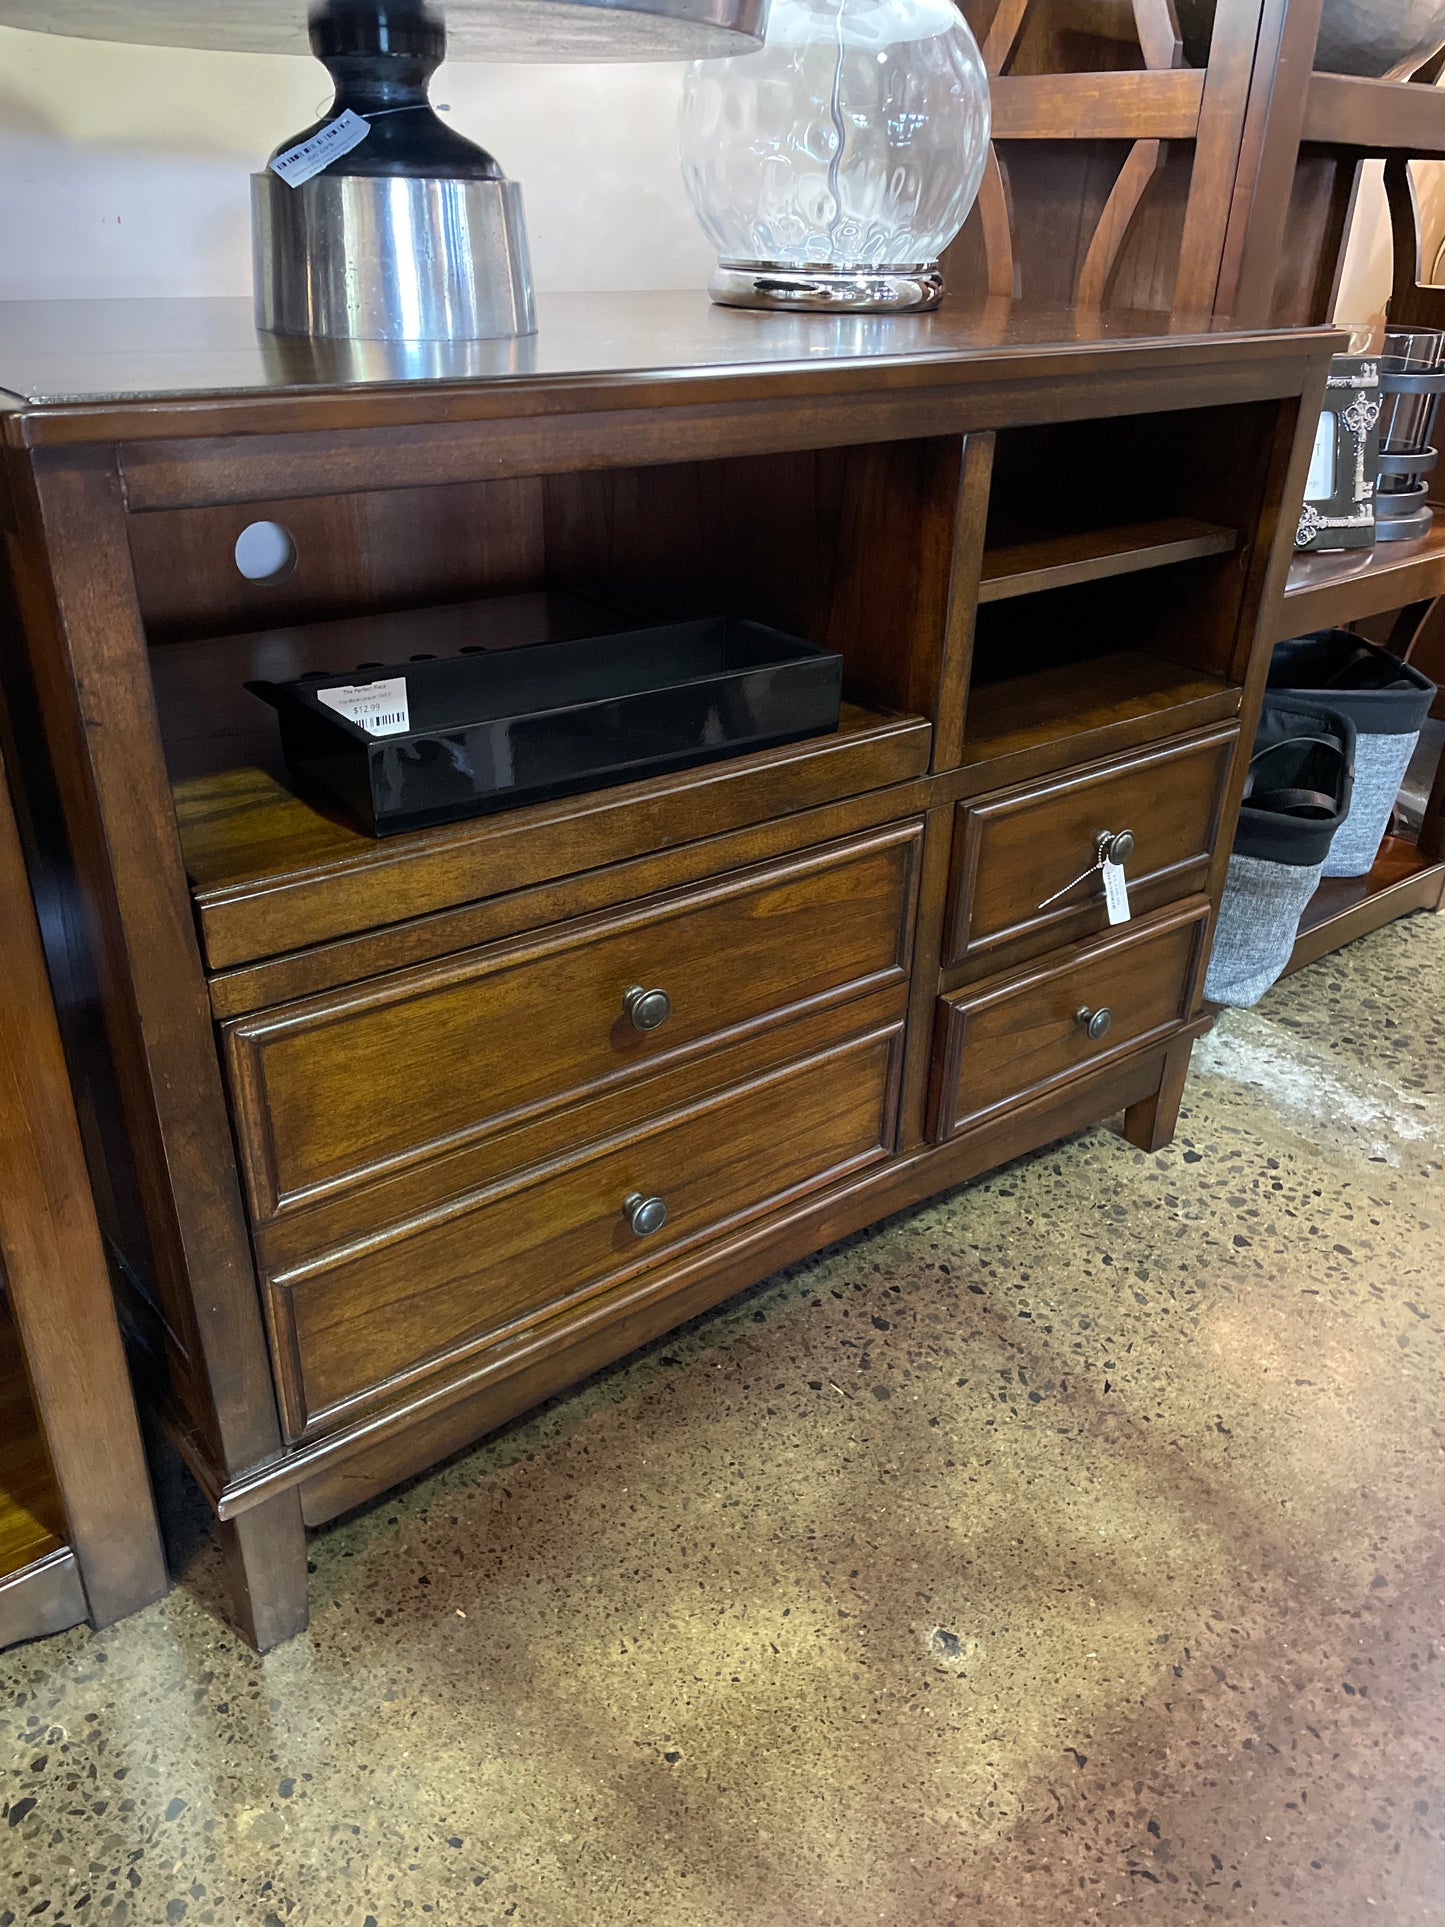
(1014, 851)
(1004, 1041)
(359, 1322)
(333, 1091)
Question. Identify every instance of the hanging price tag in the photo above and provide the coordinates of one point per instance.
(329, 143)
(380, 708)
(1116, 893)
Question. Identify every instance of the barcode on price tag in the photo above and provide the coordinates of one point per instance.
(1116, 893)
(380, 708)
(308, 157)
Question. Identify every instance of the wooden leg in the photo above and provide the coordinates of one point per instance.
(265, 1552)
(1149, 1124)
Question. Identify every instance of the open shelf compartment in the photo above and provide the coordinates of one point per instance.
(1343, 908)
(1092, 634)
(763, 538)
(1066, 675)
(1092, 706)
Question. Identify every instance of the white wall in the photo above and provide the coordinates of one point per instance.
(1369, 256)
(123, 170)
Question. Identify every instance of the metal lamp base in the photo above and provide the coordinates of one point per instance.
(1404, 528)
(356, 257)
(827, 290)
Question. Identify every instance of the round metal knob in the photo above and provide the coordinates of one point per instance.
(644, 1214)
(647, 1008)
(1095, 1022)
(1117, 848)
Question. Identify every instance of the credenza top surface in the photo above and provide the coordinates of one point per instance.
(88, 370)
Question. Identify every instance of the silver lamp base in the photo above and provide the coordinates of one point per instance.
(827, 290)
(386, 258)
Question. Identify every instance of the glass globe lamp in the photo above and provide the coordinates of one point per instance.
(832, 167)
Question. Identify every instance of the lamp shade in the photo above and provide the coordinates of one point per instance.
(522, 30)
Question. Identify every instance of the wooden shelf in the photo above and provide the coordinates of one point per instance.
(1344, 908)
(1346, 585)
(1376, 116)
(1129, 105)
(1090, 555)
(1087, 709)
(31, 1524)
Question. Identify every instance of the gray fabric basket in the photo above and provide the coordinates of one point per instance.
(1387, 701)
(1255, 930)
(1380, 765)
(1297, 796)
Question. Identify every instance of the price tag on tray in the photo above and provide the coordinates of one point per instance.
(380, 708)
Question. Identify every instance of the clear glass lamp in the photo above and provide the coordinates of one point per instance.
(831, 168)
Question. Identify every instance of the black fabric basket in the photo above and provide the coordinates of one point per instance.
(1300, 785)
(1387, 701)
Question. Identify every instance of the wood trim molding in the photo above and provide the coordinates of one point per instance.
(1143, 161)
(85, 635)
(1133, 105)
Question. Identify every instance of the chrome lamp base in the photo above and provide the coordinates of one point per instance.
(827, 290)
(391, 258)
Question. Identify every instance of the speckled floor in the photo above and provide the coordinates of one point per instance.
(1070, 1550)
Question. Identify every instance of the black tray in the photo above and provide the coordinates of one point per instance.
(497, 728)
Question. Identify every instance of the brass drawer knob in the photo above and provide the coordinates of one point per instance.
(1116, 846)
(1094, 1022)
(646, 1008)
(645, 1215)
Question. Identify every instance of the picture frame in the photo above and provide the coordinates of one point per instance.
(1339, 504)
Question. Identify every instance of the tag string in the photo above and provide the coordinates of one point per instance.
(412, 107)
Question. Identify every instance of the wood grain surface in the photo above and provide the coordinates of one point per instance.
(385, 1196)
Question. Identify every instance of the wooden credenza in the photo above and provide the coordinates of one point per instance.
(390, 1139)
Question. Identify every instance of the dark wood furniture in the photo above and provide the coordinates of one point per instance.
(78, 1535)
(1307, 136)
(387, 1120)
(1122, 174)
(1119, 172)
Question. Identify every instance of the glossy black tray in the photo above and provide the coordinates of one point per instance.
(497, 728)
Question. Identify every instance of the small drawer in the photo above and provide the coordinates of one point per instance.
(1013, 852)
(1004, 1041)
(357, 1323)
(335, 1090)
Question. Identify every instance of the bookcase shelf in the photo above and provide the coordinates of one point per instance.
(1091, 555)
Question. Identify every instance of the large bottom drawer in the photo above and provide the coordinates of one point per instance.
(356, 1324)
(1007, 1040)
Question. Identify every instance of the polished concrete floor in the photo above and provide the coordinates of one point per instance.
(1070, 1550)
